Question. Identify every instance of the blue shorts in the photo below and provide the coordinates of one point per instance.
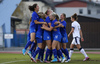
(33, 29)
(64, 38)
(57, 37)
(47, 35)
(39, 40)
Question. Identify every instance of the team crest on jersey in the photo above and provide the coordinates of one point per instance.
(47, 37)
(34, 30)
(41, 36)
(56, 36)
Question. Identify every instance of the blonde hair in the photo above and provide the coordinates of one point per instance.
(55, 15)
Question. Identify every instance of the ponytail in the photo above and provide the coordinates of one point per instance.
(75, 16)
(32, 8)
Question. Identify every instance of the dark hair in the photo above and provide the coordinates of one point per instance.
(57, 17)
(46, 12)
(75, 16)
(64, 16)
(32, 8)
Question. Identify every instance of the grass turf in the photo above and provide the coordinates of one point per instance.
(77, 58)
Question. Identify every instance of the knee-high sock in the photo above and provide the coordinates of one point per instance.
(32, 47)
(70, 52)
(39, 55)
(66, 53)
(55, 53)
(60, 53)
(50, 57)
(36, 52)
(62, 50)
(47, 54)
(28, 44)
(33, 51)
(42, 55)
(83, 52)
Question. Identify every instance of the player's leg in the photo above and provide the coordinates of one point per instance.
(58, 55)
(81, 49)
(48, 51)
(41, 53)
(72, 48)
(60, 52)
(66, 52)
(33, 50)
(83, 52)
(43, 49)
(54, 44)
(29, 42)
(39, 48)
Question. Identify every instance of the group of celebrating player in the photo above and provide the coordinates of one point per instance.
(48, 29)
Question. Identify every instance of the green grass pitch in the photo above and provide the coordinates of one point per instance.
(77, 58)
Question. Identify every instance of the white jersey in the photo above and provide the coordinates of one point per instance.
(77, 28)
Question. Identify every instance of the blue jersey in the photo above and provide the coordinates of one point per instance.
(39, 33)
(32, 24)
(63, 30)
(47, 34)
(64, 38)
(53, 25)
(56, 35)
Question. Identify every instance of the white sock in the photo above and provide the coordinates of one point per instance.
(83, 52)
(70, 53)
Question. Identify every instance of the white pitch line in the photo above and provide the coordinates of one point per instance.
(12, 61)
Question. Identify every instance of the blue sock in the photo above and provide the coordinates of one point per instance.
(60, 53)
(42, 55)
(32, 47)
(55, 53)
(36, 52)
(50, 57)
(66, 53)
(33, 52)
(28, 44)
(62, 50)
(47, 54)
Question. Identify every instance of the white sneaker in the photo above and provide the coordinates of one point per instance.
(33, 59)
(59, 59)
(63, 59)
(29, 53)
(68, 60)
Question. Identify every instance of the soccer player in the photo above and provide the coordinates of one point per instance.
(39, 38)
(47, 37)
(35, 18)
(77, 34)
(64, 39)
(56, 35)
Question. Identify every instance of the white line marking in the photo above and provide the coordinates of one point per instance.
(12, 61)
